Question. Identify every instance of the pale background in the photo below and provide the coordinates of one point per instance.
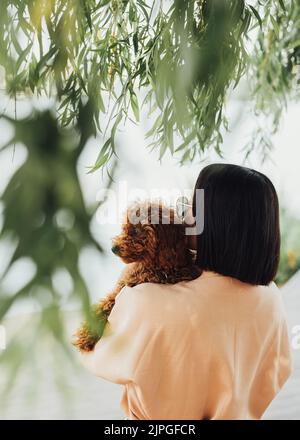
(36, 395)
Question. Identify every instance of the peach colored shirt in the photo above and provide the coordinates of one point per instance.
(211, 348)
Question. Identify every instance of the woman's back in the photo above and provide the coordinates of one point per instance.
(211, 348)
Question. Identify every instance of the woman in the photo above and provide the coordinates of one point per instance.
(216, 347)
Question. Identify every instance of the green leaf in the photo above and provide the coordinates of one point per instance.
(23, 55)
(99, 163)
(135, 105)
(255, 12)
(135, 41)
(132, 13)
(275, 26)
(154, 127)
(113, 131)
(162, 150)
(282, 5)
(143, 7)
(103, 149)
(104, 2)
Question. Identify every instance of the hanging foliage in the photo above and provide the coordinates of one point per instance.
(274, 67)
(177, 59)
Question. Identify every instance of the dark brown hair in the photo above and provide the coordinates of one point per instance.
(241, 236)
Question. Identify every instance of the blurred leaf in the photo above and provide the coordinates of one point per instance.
(135, 106)
(45, 193)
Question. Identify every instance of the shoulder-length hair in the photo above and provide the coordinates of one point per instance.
(241, 235)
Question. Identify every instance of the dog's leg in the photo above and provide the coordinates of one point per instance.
(89, 334)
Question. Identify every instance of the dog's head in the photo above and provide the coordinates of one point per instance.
(152, 234)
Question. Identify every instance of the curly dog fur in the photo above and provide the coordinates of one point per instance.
(154, 248)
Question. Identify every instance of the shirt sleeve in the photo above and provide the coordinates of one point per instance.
(116, 355)
(274, 369)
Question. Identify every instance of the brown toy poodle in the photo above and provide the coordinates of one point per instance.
(152, 244)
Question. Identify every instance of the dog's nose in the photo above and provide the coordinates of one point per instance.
(115, 249)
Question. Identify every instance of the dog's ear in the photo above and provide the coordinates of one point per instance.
(171, 242)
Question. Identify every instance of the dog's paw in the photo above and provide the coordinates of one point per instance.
(84, 340)
(104, 306)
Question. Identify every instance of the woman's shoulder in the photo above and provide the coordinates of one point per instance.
(266, 300)
(144, 292)
(275, 297)
(271, 292)
(205, 289)
(149, 296)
